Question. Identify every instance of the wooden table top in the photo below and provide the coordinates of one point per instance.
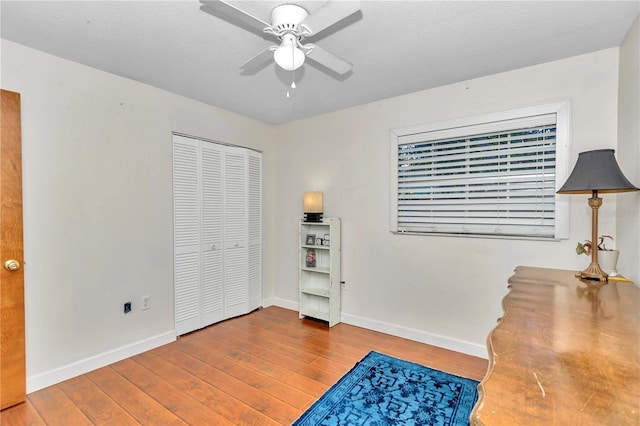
(566, 352)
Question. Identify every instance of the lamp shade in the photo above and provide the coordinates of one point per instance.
(596, 170)
(313, 202)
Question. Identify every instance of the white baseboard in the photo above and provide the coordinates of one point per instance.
(60, 374)
(450, 343)
(433, 339)
(283, 303)
(57, 375)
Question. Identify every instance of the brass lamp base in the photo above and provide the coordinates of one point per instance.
(593, 272)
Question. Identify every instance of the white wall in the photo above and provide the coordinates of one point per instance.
(98, 208)
(443, 290)
(628, 154)
(98, 218)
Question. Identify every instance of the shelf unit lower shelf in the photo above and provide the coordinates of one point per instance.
(317, 270)
(315, 313)
(321, 292)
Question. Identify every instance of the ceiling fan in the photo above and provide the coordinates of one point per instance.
(291, 24)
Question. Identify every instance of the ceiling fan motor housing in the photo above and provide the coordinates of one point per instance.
(286, 17)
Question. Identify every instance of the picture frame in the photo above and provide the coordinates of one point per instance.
(318, 241)
(311, 239)
(326, 240)
(310, 258)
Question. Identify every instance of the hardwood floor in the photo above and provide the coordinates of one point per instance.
(264, 368)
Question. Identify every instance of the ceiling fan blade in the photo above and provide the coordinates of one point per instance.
(329, 60)
(258, 60)
(234, 12)
(328, 14)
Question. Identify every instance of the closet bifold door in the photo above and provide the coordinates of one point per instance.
(236, 294)
(255, 229)
(212, 225)
(217, 232)
(186, 233)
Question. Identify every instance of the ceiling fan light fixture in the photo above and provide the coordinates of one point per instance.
(288, 56)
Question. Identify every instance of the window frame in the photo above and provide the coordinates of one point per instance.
(467, 126)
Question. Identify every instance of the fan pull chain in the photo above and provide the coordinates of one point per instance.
(293, 71)
(293, 83)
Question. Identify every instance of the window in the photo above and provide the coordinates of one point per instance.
(490, 175)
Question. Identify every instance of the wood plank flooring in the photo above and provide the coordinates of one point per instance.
(264, 368)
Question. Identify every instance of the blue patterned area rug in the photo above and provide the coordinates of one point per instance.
(382, 390)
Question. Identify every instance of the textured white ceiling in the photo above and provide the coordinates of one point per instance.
(396, 47)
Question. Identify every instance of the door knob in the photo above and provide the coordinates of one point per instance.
(11, 265)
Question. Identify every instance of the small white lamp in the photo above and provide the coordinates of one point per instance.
(313, 206)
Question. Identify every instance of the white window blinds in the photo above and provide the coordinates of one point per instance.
(489, 178)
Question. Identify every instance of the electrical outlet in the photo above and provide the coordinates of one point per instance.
(145, 302)
(127, 307)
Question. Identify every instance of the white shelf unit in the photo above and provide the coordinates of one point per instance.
(320, 284)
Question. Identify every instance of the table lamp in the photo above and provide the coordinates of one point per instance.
(596, 172)
(313, 206)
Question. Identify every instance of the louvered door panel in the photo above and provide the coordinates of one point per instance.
(255, 197)
(255, 229)
(236, 295)
(186, 195)
(186, 234)
(255, 276)
(235, 260)
(187, 292)
(212, 196)
(212, 233)
(235, 197)
(212, 287)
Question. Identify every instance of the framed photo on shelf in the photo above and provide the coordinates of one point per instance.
(310, 258)
(311, 239)
(318, 241)
(326, 240)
